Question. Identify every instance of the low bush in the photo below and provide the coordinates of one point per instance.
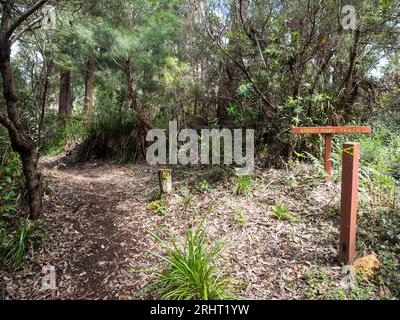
(112, 136)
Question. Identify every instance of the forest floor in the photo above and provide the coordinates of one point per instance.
(99, 223)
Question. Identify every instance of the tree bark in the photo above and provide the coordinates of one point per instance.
(20, 141)
(65, 97)
(89, 84)
(33, 182)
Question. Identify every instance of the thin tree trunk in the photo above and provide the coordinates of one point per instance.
(89, 80)
(65, 97)
(33, 182)
(130, 98)
(349, 84)
(20, 141)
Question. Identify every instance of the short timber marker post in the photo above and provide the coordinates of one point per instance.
(165, 181)
(328, 132)
(348, 202)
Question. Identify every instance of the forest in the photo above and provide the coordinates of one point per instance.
(148, 149)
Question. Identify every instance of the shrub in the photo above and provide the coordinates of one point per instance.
(11, 183)
(112, 136)
(56, 138)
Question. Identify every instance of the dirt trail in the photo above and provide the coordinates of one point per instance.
(100, 209)
(99, 227)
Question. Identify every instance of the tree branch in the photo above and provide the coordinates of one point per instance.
(7, 123)
(24, 16)
(27, 28)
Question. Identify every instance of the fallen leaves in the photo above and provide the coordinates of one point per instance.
(100, 228)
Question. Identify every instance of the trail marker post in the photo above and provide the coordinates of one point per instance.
(349, 193)
(328, 132)
(348, 201)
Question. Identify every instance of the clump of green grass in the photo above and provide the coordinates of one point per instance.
(190, 272)
(240, 216)
(187, 197)
(204, 185)
(243, 185)
(281, 211)
(17, 243)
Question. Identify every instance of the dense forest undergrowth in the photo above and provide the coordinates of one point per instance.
(84, 82)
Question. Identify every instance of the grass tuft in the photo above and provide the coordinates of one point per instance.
(190, 272)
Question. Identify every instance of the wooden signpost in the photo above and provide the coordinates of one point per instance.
(348, 201)
(349, 193)
(328, 131)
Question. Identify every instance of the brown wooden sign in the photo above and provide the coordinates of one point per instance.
(328, 131)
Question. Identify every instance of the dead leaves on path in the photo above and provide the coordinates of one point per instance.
(100, 245)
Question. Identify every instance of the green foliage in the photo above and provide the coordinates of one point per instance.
(112, 135)
(243, 185)
(190, 271)
(281, 211)
(11, 181)
(159, 206)
(187, 199)
(18, 237)
(204, 185)
(56, 137)
(389, 275)
(318, 165)
(240, 216)
(18, 241)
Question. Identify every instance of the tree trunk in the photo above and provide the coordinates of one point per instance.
(33, 183)
(20, 141)
(130, 98)
(349, 85)
(65, 97)
(89, 79)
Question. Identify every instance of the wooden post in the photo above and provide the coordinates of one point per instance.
(348, 204)
(165, 179)
(328, 161)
